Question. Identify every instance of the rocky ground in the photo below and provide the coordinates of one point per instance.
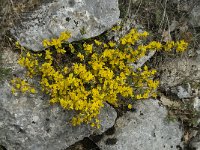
(172, 121)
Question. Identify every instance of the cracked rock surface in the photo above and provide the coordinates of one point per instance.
(82, 18)
(144, 129)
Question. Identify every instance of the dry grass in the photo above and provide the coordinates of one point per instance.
(158, 16)
(11, 10)
(168, 20)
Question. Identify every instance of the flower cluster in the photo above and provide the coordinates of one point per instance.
(22, 86)
(84, 76)
(180, 46)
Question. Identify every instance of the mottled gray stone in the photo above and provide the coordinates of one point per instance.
(29, 122)
(197, 104)
(145, 129)
(183, 91)
(195, 16)
(177, 71)
(94, 17)
(143, 60)
(195, 142)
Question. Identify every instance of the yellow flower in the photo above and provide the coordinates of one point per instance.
(112, 44)
(181, 46)
(88, 47)
(92, 124)
(105, 45)
(17, 44)
(32, 90)
(39, 55)
(107, 53)
(169, 45)
(72, 48)
(64, 36)
(139, 96)
(48, 55)
(116, 28)
(154, 45)
(60, 50)
(80, 56)
(28, 54)
(145, 34)
(97, 42)
(97, 65)
(63, 103)
(130, 106)
(54, 100)
(145, 68)
(123, 41)
(24, 89)
(46, 43)
(56, 42)
(13, 90)
(18, 86)
(65, 69)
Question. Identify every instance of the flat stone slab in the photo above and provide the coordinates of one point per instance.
(144, 129)
(195, 16)
(195, 143)
(82, 18)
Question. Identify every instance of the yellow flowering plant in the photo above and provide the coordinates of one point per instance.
(85, 76)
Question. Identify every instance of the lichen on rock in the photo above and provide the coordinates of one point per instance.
(82, 18)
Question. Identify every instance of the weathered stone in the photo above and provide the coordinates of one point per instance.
(144, 129)
(195, 16)
(195, 143)
(197, 104)
(177, 71)
(83, 18)
(28, 122)
(183, 91)
(176, 74)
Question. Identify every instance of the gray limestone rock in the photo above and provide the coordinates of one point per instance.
(183, 91)
(197, 104)
(82, 18)
(29, 122)
(144, 129)
(195, 143)
(177, 71)
(195, 16)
